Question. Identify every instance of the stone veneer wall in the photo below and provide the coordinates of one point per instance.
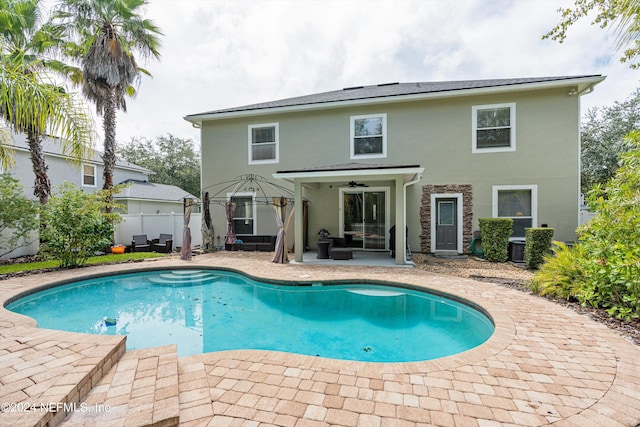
(467, 213)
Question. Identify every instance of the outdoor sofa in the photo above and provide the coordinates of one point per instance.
(253, 243)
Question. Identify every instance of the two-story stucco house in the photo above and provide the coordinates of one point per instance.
(430, 158)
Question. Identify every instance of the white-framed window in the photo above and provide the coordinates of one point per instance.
(518, 202)
(244, 215)
(494, 128)
(88, 175)
(263, 143)
(368, 136)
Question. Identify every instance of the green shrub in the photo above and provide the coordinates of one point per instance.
(76, 225)
(603, 269)
(495, 234)
(611, 239)
(561, 275)
(538, 244)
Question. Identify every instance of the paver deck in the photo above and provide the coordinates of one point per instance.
(543, 365)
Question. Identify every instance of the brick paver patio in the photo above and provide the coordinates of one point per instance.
(543, 365)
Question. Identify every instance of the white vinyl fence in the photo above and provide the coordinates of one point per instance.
(32, 244)
(155, 224)
(150, 224)
(586, 216)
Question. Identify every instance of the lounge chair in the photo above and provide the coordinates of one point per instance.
(140, 243)
(163, 244)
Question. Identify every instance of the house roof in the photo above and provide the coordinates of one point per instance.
(144, 190)
(51, 146)
(393, 92)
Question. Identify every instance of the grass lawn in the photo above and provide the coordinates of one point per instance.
(101, 259)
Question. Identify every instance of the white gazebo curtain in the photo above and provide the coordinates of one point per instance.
(281, 251)
(185, 250)
(230, 209)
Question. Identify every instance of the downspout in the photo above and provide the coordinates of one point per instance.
(415, 180)
(585, 91)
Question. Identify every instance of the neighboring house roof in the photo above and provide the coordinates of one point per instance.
(392, 92)
(51, 146)
(144, 190)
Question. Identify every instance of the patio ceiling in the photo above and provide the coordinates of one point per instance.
(360, 171)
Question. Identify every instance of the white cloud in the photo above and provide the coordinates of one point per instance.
(219, 54)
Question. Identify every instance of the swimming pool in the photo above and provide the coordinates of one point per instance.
(213, 310)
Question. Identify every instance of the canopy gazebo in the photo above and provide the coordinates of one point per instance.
(264, 193)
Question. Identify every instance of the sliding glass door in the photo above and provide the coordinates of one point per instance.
(364, 218)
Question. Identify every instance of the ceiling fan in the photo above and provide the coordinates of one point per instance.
(353, 184)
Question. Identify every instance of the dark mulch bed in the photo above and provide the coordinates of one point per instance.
(628, 329)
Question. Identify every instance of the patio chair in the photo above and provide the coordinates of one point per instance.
(163, 244)
(140, 243)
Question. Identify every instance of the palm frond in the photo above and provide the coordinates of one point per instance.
(31, 106)
(7, 159)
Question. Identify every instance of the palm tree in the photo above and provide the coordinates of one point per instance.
(30, 101)
(629, 30)
(108, 33)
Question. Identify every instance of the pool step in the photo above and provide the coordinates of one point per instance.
(197, 393)
(53, 371)
(171, 279)
(192, 275)
(140, 390)
(188, 272)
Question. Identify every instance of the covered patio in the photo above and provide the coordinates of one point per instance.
(391, 180)
(360, 259)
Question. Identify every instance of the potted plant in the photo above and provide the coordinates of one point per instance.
(323, 233)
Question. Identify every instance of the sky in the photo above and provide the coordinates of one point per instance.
(219, 54)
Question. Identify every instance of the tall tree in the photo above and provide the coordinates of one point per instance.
(604, 139)
(107, 34)
(623, 16)
(174, 160)
(30, 101)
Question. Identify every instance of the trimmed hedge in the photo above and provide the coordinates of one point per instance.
(495, 234)
(538, 244)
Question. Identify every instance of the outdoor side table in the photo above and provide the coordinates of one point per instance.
(323, 249)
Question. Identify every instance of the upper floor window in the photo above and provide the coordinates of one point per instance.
(494, 128)
(89, 175)
(369, 136)
(263, 143)
(518, 202)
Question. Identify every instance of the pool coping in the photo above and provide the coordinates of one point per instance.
(548, 356)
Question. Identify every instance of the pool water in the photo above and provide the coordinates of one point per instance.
(212, 310)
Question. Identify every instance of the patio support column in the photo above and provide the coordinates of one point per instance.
(297, 219)
(401, 234)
